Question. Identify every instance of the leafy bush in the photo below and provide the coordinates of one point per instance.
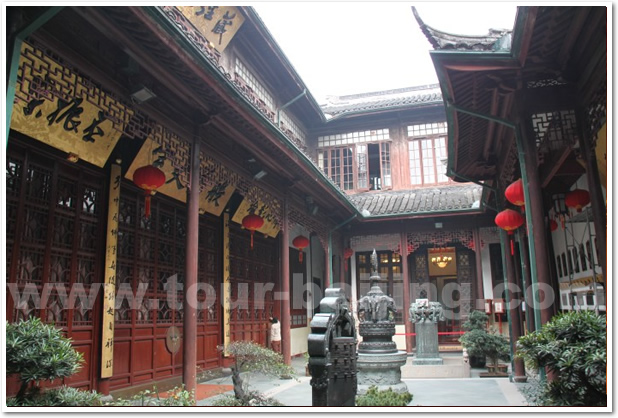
(477, 320)
(573, 347)
(485, 344)
(177, 396)
(481, 343)
(388, 397)
(37, 351)
(251, 357)
(251, 399)
(61, 396)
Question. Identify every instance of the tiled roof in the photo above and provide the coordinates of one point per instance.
(367, 102)
(423, 200)
(495, 40)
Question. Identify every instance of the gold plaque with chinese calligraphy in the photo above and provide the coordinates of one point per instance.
(154, 154)
(74, 123)
(213, 199)
(109, 286)
(218, 24)
(76, 127)
(269, 228)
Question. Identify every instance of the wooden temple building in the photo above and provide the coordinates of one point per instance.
(171, 183)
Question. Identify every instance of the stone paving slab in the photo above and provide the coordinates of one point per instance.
(464, 392)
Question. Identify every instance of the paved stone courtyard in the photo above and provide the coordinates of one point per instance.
(428, 392)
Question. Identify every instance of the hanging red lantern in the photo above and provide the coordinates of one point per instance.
(149, 178)
(300, 242)
(577, 199)
(347, 253)
(515, 194)
(509, 220)
(553, 225)
(252, 222)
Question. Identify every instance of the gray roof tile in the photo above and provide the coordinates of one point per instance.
(422, 200)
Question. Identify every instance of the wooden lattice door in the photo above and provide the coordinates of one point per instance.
(150, 288)
(254, 279)
(54, 242)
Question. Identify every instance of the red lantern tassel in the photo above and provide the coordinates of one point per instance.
(251, 239)
(300, 256)
(512, 247)
(147, 206)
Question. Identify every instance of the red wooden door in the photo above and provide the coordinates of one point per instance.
(254, 278)
(54, 242)
(150, 280)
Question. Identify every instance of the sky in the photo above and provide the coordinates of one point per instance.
(341, 48)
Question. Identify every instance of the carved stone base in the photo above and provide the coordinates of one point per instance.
(427, 361)
(381, 370)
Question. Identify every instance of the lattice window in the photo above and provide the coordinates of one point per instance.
(358, 137)
(247, 76)
(427, 160)
(292, 129)
(426, 129)
(554, 130)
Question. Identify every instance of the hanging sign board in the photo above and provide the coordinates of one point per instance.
(213, 199)
(218, 24)
(58, 107)
(227, 289)
(269, 228)
(109, 286)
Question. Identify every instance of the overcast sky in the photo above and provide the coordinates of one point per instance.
(341, 48)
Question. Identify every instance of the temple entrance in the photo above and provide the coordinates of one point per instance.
(448, 283)
(448, 294)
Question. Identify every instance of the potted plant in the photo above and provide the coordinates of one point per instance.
(482, 344)
(477, 321)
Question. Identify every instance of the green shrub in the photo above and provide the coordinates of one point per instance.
(476, 320)
(388, 397)
(481, 343)
(61, 396)
(37, 351)
(250, 357)
(573, 347)
(177, 396)
(251, 399)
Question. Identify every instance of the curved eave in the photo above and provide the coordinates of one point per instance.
(420, 215)
(453, 60)
(232, 91)
(357, 113)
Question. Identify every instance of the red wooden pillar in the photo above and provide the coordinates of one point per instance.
(480, 295)
(189, 353)
(403, 249)
(535, 213)
(286, 346)
(514, 307)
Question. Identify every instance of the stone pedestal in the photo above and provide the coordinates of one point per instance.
(425, 316)
(379, 362)
(381, 370)
(427, 352)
